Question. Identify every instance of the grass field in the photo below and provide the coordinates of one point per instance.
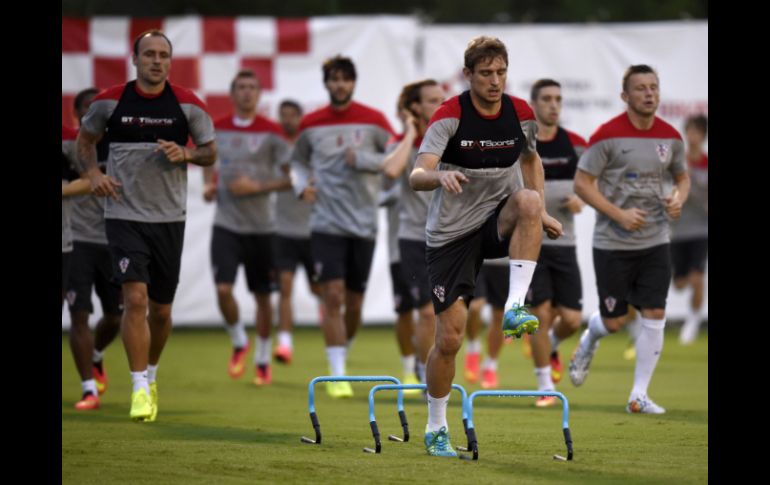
(212, 429)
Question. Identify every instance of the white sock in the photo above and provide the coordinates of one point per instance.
(596, 330)
(489, 363)
(349, 344)
(284, 339)
(437, 412)
(649, 345)
(89, 386)
(237, 332)
(139, 381)
(473, 347)
(407, 361)
(544, 382)
(421, 372)
(152, 373)
(97, 356)
(336, 356)
(554, 340)
(520, 278)
(262, 354)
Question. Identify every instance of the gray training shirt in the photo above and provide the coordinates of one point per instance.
(153, 188)
(451, 216)
(256, 151)
(347, 196)
(634, 168)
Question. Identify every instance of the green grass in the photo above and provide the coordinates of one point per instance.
(211, 429)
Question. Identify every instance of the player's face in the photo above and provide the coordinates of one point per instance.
(340, 87)
(642, 93)
(488, 79)
(245, 93)
(154, 60)
(431, 98)
(547, 106)
(289, 118)
(694, 136)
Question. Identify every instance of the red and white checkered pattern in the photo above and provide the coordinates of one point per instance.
(207, 52)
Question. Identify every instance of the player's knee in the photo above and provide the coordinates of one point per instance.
(528, 203)
(79, 320)
(224, 292)
(613, 324)
(160, 314)
(449, 343)
(476, 305)
(134, 300)
(333, 298)
(571, 322)
(426, 314)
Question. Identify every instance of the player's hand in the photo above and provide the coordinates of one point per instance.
(209, 192)
(309, 194)
(452, 181)
(103, 185)
(552, 227)
(632, 219)
(174, 152)
(410, 122)
(350, 157)
(673, 204)
(573, 204)
(243, 185)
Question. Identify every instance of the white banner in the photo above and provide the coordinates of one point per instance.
(390, 51)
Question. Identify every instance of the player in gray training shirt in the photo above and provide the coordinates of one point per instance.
(417, 103)
(690, 234)
(251, 150)
(292, 239)
(555, 292)
(341, 147)
(91, 270)
(634, 174)
(148, 123)
(467, 159)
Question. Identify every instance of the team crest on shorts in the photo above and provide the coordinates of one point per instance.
(123, 265)
(440, 293)
(71, 296)
(609, 302)
(662, 150)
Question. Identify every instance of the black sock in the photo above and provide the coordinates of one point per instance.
(98, 365)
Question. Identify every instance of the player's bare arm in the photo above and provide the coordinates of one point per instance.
(102, 185)
(676, 200)
(426, 177)
(586, 188)
(202, 155)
